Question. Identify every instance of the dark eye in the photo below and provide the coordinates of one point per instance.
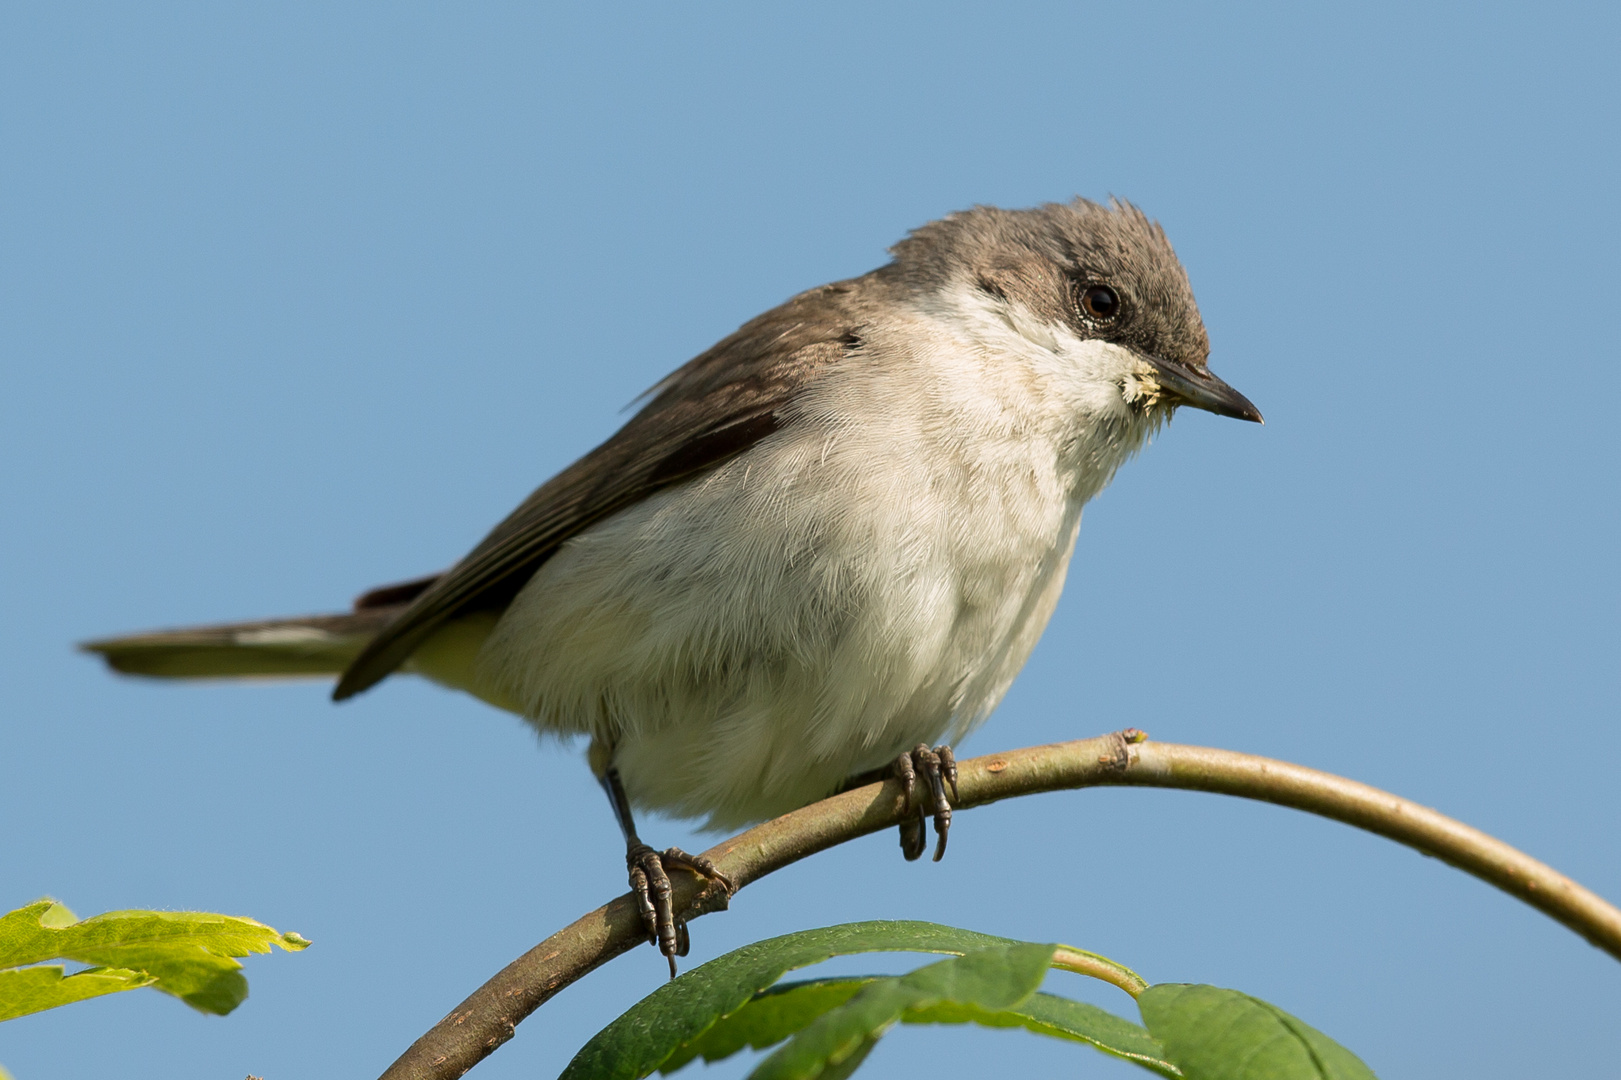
(1100, 302)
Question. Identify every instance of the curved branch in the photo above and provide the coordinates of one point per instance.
(489, 1017)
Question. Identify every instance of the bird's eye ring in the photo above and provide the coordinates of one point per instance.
(1100, 302)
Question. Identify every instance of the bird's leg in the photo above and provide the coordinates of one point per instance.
(649, 880)
(938, 768)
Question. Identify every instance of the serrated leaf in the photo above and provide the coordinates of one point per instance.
(641, 1040)
(990, 980)
(1216, 1034)
(35, 989)
(25, 934)
(188, 953)
(56, 915)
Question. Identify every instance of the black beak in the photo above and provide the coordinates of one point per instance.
(1188, 385)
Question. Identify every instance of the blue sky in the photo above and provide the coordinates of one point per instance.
(301, 299)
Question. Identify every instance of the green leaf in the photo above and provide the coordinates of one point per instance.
(1216, 1034)
(187, 953)
(641, 1040)
(851, 1063)
(991, 980)
(1059, 1017)
(34, 989)
(25, 933)
(770, 1017)
(775, 1014)
(56, 915)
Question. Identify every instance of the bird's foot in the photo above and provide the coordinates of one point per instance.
(650, 882)
(936, 768)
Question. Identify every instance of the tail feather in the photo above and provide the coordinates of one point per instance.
(286, 648)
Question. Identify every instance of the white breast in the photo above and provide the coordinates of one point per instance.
(870, 577)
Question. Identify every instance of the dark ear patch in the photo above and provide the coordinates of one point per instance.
(1033, 283)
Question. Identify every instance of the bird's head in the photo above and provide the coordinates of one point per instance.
(1099, 285)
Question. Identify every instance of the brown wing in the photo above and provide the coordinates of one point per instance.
(717, 405)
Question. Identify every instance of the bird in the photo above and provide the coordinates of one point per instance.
(820, 551)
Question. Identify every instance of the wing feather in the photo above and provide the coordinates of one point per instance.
(716, 406)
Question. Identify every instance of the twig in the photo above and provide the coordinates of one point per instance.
(491, 1014)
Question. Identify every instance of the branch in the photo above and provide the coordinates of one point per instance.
(490, 1016)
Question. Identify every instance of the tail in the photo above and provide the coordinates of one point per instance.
(278, 648)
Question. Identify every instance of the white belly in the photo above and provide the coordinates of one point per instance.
(835, 595)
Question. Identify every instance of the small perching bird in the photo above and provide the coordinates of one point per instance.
(823, 546)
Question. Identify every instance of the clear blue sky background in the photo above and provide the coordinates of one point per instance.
(297, 299)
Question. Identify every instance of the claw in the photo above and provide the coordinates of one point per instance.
(938, 768)
(948, 766)
(914, 838)
(652, 888)
(907, 775)
(651, 885)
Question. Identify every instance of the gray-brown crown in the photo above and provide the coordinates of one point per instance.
(1045, 257)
